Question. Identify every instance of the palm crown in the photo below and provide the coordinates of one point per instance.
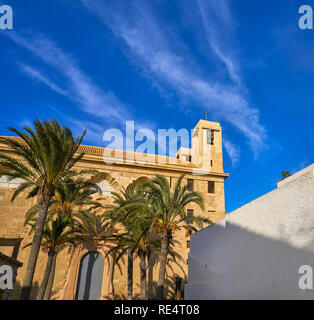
(170, 206)
(42, 157)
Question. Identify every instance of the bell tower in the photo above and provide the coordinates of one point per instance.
(207, 147)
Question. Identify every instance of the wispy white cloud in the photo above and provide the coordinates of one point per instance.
(37, 75)
(104, 106)
(150, 46)
(218, 25)
(232, 150)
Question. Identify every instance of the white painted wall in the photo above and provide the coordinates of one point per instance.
(256, 252)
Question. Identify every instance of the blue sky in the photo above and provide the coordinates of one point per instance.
(95, 64)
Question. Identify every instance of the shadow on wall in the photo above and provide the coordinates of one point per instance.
(170, 283)
(17, 290)
(174, 259)
(238, 264)
(153, 270)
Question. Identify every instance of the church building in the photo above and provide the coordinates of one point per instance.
(202, 166)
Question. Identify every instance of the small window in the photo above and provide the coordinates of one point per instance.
(190, 213)
(178, 157)
(210, 136)
(170, 182)
(190, 185)
(188, 158)
(188, 243)
(211, 187)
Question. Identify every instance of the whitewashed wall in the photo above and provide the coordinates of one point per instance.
(256, 252)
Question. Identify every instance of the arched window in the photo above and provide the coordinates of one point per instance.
(90, 277)
(105, 188)
(4, 182)
(136, 182)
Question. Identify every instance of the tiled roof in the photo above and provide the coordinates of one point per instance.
(82, 148)
(97, 151)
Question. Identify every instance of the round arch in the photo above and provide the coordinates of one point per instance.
(106, 182)
(137, 181)
(89, 282)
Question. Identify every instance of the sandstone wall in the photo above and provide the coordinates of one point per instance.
(12, 217)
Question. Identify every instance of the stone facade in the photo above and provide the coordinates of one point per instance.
(204, 167)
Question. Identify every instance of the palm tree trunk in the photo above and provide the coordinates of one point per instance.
(46, 276)
(32, 259)
(51, 278)
(112, 272)
(178, 288)
(163, 265)
(142, 256)
(130, 273)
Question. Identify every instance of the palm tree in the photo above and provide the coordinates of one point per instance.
(142, 227)
(51, 279)
(57, 234)
(42, 158)
(170, 216)
(284, 175)
(71, 196)
(138, 239)
(125, 206)
(98, 229)
(94, 227)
